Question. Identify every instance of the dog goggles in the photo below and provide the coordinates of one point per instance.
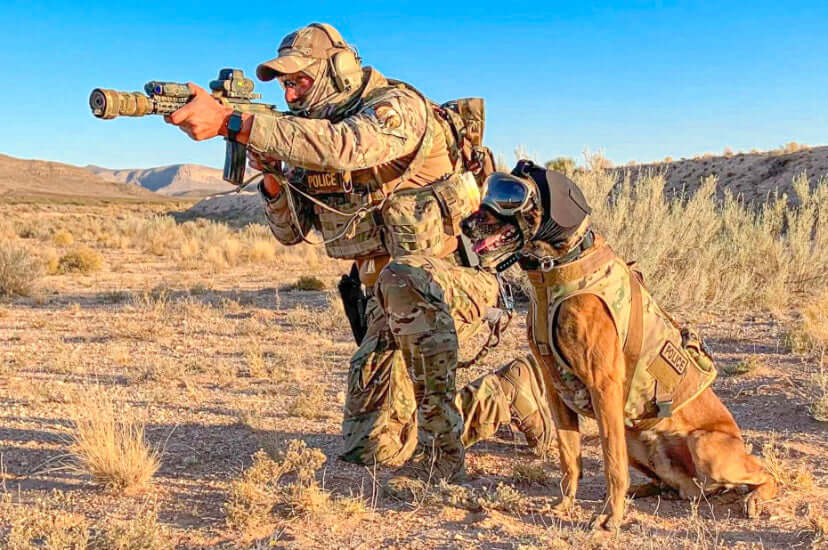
(506, 195)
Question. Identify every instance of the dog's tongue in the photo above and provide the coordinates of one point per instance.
(482, 245)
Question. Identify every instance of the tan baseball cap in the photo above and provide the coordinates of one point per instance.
(298, 51)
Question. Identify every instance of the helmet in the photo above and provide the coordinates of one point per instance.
(320, 51)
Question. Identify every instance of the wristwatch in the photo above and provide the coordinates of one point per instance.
(234, 125)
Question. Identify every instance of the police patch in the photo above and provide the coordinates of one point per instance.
(387, 116)
(674, 357)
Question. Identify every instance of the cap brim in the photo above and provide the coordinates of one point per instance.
(287, 64)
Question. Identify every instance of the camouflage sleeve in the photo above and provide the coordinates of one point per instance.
(387, 127)
(280, 219)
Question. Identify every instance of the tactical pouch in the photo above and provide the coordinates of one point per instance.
(472, 113)
(422, 220)
(413, 223)
(362, 240)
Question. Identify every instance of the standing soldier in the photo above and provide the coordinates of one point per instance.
(384, 175)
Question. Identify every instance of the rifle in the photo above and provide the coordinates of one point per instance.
(231, 88)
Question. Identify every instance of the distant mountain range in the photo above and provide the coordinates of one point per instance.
(23, 179)
(177, 180)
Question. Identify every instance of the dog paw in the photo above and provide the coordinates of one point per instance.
(565, 506)
(606, 522)
(753, 506)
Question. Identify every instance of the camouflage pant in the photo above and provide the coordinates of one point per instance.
(401, 384)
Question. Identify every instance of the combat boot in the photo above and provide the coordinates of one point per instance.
(523, 385)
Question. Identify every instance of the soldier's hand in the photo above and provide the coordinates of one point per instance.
(270, 184)
(202, 117)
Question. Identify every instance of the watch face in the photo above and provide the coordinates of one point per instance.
(235, 123)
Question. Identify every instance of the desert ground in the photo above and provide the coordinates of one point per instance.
(227, 354)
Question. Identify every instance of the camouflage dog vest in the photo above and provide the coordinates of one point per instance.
(666, 367)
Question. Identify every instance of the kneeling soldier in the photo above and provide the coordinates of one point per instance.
(385, 176)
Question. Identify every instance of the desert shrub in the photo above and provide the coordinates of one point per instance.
(19, 269)
(310, 403)
(745, 366)
(63, 238)
(565, 165)
(141, 533)
(530, 473)
(80, 260)
(819, 407)
(286, 483)
(54, 522)
(699, 253)
(307, 283)
(108, 444)
(42, 525)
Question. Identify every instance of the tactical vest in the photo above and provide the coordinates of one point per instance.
(666, 367)
(420, 220)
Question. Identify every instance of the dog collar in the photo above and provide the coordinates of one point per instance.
(547, 263)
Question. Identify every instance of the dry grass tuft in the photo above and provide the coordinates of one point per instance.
(726, 248)
(530, 473)
(108, 444)
(310, 403)
(80, 260)
(42, 525)
(19, 269)
(63, 238)
(256, 366)
(819, 407)
(503, 497)
(141, 533)
(52, 523)
(286, 484)
(307, 283)
(745, 366)
(790, 477)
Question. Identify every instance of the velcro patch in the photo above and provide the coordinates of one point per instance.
(674, 357)
(387, 116)
(669, 366)
(318, 183)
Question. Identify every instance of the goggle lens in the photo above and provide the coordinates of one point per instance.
(505, 194)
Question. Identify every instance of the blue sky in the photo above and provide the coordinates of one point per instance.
(639, 79)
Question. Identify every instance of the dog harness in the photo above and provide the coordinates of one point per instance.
(666, 367)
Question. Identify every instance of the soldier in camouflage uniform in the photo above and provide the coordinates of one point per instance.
(355, 140)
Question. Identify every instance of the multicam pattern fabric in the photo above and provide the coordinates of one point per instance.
(431, 304)
(357, 142)
(661, 343)
(401, 381)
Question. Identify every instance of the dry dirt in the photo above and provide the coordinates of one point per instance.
(171, 344)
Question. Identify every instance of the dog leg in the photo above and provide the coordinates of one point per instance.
(569, 449)
(721, 459)
(586, 336)
(608, 403)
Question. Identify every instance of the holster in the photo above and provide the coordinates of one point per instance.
(354, 301)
